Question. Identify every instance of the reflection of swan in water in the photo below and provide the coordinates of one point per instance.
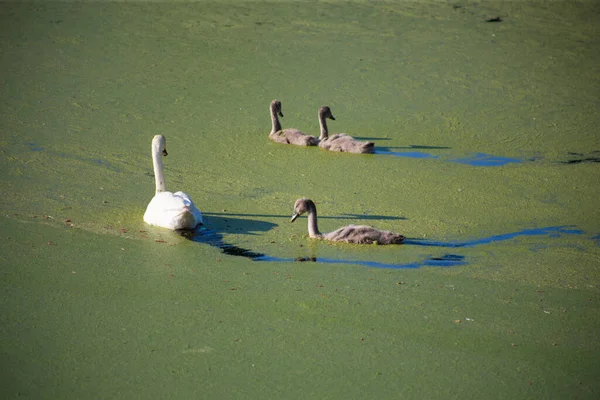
(215, 239)
(290, 135)
(166, 209)
(340, 141)
(360, 234)
(224, 222)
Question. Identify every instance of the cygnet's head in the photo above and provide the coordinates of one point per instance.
(325, 111)
(276, 105)
(300, 207)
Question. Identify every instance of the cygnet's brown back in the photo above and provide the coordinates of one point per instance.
(363, 234)
(293, 136)
(346, 144)
(287, 136)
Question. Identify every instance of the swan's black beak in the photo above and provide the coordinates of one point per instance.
(165, 152)
(331, 117)
(280, 114)
(294, 217)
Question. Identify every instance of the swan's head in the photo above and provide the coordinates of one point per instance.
(302, 206)
(159, 145)
(325, 111)
(276, 107)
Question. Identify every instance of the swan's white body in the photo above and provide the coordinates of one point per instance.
(169, 210)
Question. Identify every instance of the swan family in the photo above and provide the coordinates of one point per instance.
(177, 211)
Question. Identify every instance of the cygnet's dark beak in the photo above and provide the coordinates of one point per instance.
(294, 217)
(165, 152)
(280, 114)
(331, 117)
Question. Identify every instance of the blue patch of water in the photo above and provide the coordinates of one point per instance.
(476, 159)
(34, 147)
(551, 231)
(486, 160)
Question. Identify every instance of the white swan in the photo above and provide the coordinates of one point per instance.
(169, 210)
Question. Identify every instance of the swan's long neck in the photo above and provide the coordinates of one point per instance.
(323, 125)
(275, 125)
(159, 175)
(313, 229)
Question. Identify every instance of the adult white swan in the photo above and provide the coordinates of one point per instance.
(169, 210)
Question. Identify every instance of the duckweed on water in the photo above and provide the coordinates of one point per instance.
(486, 138)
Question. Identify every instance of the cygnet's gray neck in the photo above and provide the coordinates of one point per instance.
(313, 229)
(323, 125)
(275, 125)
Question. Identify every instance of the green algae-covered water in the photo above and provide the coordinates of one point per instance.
(487, 160)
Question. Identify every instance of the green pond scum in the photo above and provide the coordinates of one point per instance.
(485, 119)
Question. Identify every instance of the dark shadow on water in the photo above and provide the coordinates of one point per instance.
(578, 158)
(223, 222)
(212, 237)
(215, 239)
